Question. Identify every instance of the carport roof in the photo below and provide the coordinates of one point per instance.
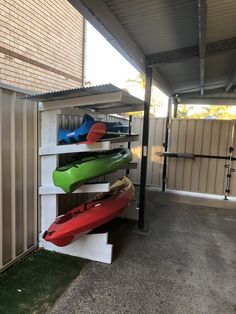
(191, 45)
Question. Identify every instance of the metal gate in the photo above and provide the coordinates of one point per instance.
(18, 176)
(207, 137)
(197, 136)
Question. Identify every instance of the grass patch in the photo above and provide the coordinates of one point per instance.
(34, 283)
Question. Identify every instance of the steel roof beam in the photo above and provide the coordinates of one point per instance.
(208, 101)
(185, 54)
(173, 56)
(214, 97)
(99, 15)
(202, 25)
(221, 95)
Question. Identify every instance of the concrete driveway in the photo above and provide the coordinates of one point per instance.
(187, 264)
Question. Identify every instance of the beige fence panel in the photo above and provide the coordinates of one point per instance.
(18, 176)
(211, 137)
(156, 140)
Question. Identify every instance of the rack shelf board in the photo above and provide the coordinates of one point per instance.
(79, 148)
(86, 188)
(124, 138)
(94, 247)
(130, 165)
(74, 148)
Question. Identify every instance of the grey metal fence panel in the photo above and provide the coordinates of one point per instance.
(18, 176)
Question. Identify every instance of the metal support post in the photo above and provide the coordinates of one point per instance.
(175, 107)
(147, 101)
(129, 143)
(164, 171)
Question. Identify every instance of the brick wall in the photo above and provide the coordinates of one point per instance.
(41, 44)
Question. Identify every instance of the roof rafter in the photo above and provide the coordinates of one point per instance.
(185, 54)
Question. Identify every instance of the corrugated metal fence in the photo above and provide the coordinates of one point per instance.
(156, 140)
(18, 176)
(208, 137)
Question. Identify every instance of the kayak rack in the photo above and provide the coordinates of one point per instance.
(90, 246)
(83, 147)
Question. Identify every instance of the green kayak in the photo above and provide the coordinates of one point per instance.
(71, 176)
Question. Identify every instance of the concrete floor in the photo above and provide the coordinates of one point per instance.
(187, 264)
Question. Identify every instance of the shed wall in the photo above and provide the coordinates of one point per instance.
(18, 176)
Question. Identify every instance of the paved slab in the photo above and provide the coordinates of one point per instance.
(187, 264)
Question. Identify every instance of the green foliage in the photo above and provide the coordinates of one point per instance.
(140, 80)
(183, 111)
(156, 95)
(35, 282)
(206, 112)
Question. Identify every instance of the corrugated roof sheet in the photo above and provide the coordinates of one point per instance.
(75, 92)
(181, 75)
(218, 68)
(162, 25)
(221, 21)
(157, 26)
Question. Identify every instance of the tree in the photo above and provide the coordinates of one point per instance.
(183, 111)
(157, 99)
(217, 112)
(207, 112)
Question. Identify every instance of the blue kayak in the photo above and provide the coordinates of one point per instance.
(79, 134)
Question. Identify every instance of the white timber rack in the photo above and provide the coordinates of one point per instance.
(91, 246)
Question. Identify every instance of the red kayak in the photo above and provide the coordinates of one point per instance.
(92, 214)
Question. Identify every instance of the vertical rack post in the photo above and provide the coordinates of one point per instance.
(129, 143)
(49, 126)
(148, 87)
(164, 171)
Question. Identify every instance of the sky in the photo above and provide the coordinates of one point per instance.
(104, 64)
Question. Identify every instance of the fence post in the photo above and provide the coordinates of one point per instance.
(164, 172)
